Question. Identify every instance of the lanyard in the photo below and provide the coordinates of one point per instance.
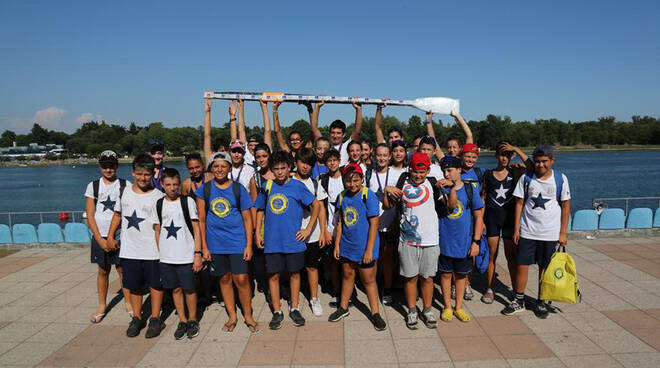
(238, 177)
(387, 175)
(195, 186)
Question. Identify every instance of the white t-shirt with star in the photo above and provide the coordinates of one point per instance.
(105, 205)
(315, 235)
(243, 174)
(541, 215)
(176, 242)
(138, 238)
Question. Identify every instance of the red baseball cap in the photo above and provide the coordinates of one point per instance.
(352, 168)
(420, 161)
(470, 147)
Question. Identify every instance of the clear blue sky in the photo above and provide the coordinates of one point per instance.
(141, 61)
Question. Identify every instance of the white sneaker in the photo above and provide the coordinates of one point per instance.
(317, 309)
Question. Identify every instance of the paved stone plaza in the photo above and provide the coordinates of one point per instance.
(48, 295)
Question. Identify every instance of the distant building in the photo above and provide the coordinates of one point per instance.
(31, 150)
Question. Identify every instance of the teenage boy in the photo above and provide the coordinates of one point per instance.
(139, 252)
(428, 146)
(355, 248)
(240, 171)
(418, 243)
(179, 243)
(281, 205)
(157, 152)
(338, 132)
(393, 133)
(541, 219)
(102, 194)
(458, 242)
(305, 160)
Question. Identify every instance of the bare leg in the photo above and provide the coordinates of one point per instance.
(461, 282)
(294, 285)
(522, 272)
(493, 243)
(136, 303)
(227, 291)
(156, 301)
(191, 302)
(410, 288)
(445, 286)
(242, 282)
(427, 291)
(348, 283)
(510, 254)
(126, 292)
(274, 286)
(102, 287)
(368, 277)
(313, 279)
(177, 296)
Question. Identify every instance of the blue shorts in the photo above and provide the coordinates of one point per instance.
(138, 273)
(531, 251)
(224, 263)
(292, 262)
(359, 264)
(177, 276)
(461, 266)
(102, 258)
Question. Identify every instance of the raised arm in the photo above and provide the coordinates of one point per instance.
(241, 121)
(314, 120)
(208, 149)
(278, 130)
(380, 137)
(428, 121)
(529, 164)
(232, 121)
(310, 112)
(464, 126)
(358, 121)
(268, 139)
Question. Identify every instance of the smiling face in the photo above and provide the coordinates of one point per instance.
(366, 152)
(469, 159)
(261, 157)
(353, 182)
(332, 163)
(321, 147)
(453, 148)
(237, 156)
(195, 168)
(281, 171)
(157, 155)
(354, 152)
(395, 136)
(142, 177)
(108, 170)
(399, 155)
(220, 169)
(295, 141)
(171, 186)
(336, 136)
(418, 176)
(382, 156)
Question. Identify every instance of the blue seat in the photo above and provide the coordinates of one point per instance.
(656, 219)
(585, 220)
(639, 218)
(50, 233)
(5, 234)
(76, 232)
(24, 233)
(612, 219)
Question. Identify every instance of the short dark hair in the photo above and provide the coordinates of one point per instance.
(383, 145)
(143, 161)
(170, 173)
(454, 138)
(279, 157)
(428, 140)
(195, 156)
(292, 133)
(306, 155)
(262, 147)
(399, 143)
(220, 142)
(255, 138)
(395, 129)
(418, 136)
(500, 152)
(352, 142)
(331, 153)
(321, 139)
(367, 141)
(339, 125)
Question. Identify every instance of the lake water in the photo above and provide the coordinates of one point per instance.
(590, 174)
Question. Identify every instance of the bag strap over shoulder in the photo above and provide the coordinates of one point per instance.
(159, 209)
(186, 213)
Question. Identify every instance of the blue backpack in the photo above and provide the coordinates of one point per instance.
(559, 183)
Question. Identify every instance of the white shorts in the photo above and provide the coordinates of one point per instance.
(421, 261)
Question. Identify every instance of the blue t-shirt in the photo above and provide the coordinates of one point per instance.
(284, 213)
(317, 170)
(472, 177)
(355, 216)
(456, 228)
(225, 231)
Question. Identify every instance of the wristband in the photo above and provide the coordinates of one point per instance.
(198, 252)
(427, 121)
(232, 119)
(476, 241)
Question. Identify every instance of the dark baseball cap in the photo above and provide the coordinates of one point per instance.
(156, 145)
(449, 162)
(108, 156)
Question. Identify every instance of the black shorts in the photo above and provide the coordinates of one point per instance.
(102, 258)
(461, 266)
(224, 263)
(498, 222)
(389, 238)
(531, 251)
(359, 264)
(177, 276)
(277, 262)
(138, 273)
(313, 255)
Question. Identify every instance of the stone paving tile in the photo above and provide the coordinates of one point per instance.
(20, 331)
(650, 336)
(495, 363)
(45, 314)
(521, 346)
(619, 341)
(460, 329)
(214, 354)
(321, 331)
(427, 365)
(57, 333)
(570, 343)
(287, 332)
(639, 360)
(536, 363)
(265, 352)
(633, 319)
(369, 352)
(553, 324)
(168, 355)
(122, 355)
(600, 361)
(426, 350)
(503, 325)
(6, 346)
(318, 352)
(363, 330)
(471, 348)
(399, 330)
(28, 354)
(591, 321)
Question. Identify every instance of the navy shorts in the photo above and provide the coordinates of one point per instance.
(138, 273)
(498, 222)
(389, 238)
(224, 263)
(177, 276)
(359, 264)
(313, 255)
(102, 258)
(461, 266)
(531, 251)
(292, 262)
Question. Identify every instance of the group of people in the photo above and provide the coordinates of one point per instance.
(323, 208)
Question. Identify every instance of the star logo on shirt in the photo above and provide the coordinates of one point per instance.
(539, 201)
(133, 221)
(172, 230)
(108, 204)
(501, 192)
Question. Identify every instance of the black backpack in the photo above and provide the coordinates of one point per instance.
(436, 191)
(184, 208)
(97, 183)
(235, 186)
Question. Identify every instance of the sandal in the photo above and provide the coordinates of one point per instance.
(462, 315)
(229, 327)
(254, 328)
(447, 314)
(97, 318)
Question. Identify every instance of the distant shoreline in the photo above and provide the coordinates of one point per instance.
(124, 160)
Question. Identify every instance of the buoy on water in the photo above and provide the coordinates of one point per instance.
(64, 216)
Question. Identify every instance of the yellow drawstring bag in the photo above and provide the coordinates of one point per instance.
(559, 281)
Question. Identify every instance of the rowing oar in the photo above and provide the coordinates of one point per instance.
(439, 105)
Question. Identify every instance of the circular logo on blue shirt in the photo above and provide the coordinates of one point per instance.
(220, 206)
(457, 212)
(350, 216)
(278, 203)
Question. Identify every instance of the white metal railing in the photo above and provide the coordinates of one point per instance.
(598, 202)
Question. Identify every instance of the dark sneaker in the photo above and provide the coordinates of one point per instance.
(135, 327)
(154, 329)
(181, 330)
(551, 308)
(297, 318)
(193, 329)
(387, 299)
(541, 311)
(338, 315)
(276, 322)
(513, 308)
(378, 322)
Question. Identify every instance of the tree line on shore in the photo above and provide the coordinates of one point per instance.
(93, 137)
